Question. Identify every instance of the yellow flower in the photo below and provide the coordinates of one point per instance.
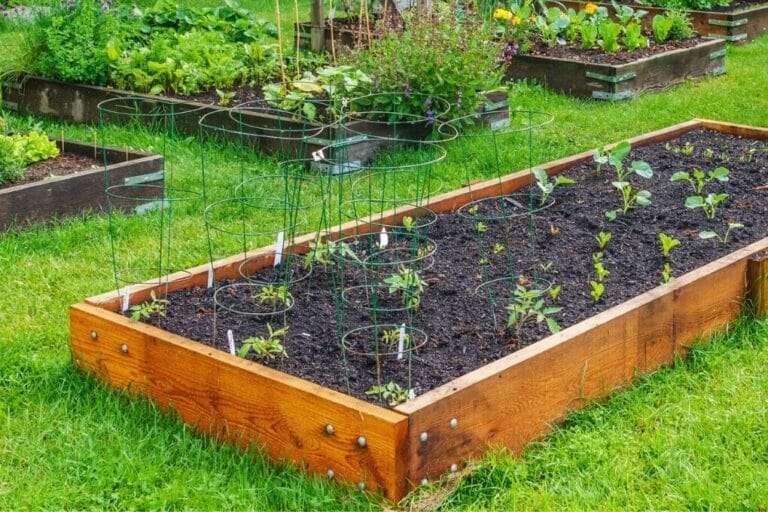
(502, 14)
(516, 20)
(590, 8)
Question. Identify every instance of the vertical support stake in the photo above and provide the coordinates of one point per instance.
(317, 34)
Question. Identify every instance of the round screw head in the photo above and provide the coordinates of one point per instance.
(424, 482)
(423, 437)
(361, 486)
(454, 468)
(94, 335)
(124, 348)
(362, 442)
(329, 429)
(331, 474)
(453, 423)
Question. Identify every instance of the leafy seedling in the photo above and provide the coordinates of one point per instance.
(723, 239)
(708, 204)
(600, 271)
(409, 223)
(145, 311)
(630, 199)
(667, 244)
(548, 186)
(666, 273)
(481, 227)
(529, 305)
(275, 295)
(597, 290)
(554, 292)
(408, 284)
(698, 179)
(391, 392)
(265, 348)
(602, 239)
(616, 160)
(498, 248)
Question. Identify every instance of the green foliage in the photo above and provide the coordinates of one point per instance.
(602, 239)
(661, 26)
(708, 204)
(529, 305)
(589, 34)
(682, 26)
(633, 37)
(616, 159)
(147, 310)
(18, 151)
(390, 392)
(265, 347)
(547, 186)
(630, 198)
(722, 238)
(408, 284)
(609, 32)
(435, 57)
(597, 290)
(36, 147)
(11, 161)
(323, 252)
(275, 295)
(698, 179)
(666, 273)
(74, 43)
(668, 243)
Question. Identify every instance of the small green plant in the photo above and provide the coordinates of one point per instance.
(698, 179)
(723, 239)
(265, 348)
(661, 25)
(529, 305)
(600, 156)
(600, 271)
(146, 310)
(408, 284)
(554, 292)
(597, 289)
(481, 227)
(589, 35)
(616, 159)
(409, 223)
(630, 199)
(667, 244)
(602, 239)
(322, 252)
(225, 98)
(392, 337)
(275, 295)
(391, 392)
(708, 204)
(498, 248)
(666, 273)
(633, 37)
(548, 186)
(609, 33)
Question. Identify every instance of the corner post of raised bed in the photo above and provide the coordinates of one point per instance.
(757, 283)
(317, 37)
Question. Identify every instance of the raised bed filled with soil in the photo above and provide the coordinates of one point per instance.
(598, 75)
(74, 182)
(475, 385)
(357, 140)
(739, 23)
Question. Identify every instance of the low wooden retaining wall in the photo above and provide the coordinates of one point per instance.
(75, 193)
(738, 26)
(622, 81)
(509, 402)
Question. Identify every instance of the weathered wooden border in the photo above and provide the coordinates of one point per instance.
(738, 26)
(621, 81)
(75, 193)
(508, 402)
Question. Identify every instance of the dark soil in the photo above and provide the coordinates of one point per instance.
(243, 94)
(63, 165)
(460, 322)
(598, 56)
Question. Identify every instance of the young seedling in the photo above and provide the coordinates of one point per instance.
(666, 273)
(408, 284)
(529, 305)
(600, 271)
(667, 244)
(616, 159)
(265, 348)
(498, 248)
(546, 267)
(146, 310)
(409, 223)
(698, 179)
(600, 156)
(723, 239)
(554, 292)
(708, 204)
(630, 199)
(602, 240)
(597, 290)
(392, 337)
(548, 186)
(275, 295)
(481, 227)
(391, 392)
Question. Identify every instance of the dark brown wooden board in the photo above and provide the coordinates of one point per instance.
(76, 193)
(622, 81)
(739, 26)
(509, 402)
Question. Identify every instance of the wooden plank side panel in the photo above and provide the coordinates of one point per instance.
(518, 398)
(243, 402)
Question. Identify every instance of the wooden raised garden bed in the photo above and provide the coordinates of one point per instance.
(621, 81)
(357, 140)
(738, 26)
(509, 402)
(75, 192)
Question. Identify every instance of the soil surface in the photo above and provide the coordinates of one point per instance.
(242, 94)
(598, 56)
(63, 165)
(466, 329)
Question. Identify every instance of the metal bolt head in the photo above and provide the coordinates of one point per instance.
(331, 474)
(423, 437)
(329, 429)
(454, 468)
(362, 442)
(424, 482)
(124, 348)
(361, 486)
(453, 423)
(94, 335)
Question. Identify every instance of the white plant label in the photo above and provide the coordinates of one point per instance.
(318, 155)
(331, 13)
(126, 300)
(401, 343)
(383, 238)
(231, 340)
(210, 275)
(279, 245)
(411, 394)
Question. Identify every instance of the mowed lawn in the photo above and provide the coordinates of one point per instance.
(691, 437)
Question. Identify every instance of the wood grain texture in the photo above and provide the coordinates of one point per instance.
(76, 193)
(757, 282)
(244, 402)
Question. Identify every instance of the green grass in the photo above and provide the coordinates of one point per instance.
(690, 437)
